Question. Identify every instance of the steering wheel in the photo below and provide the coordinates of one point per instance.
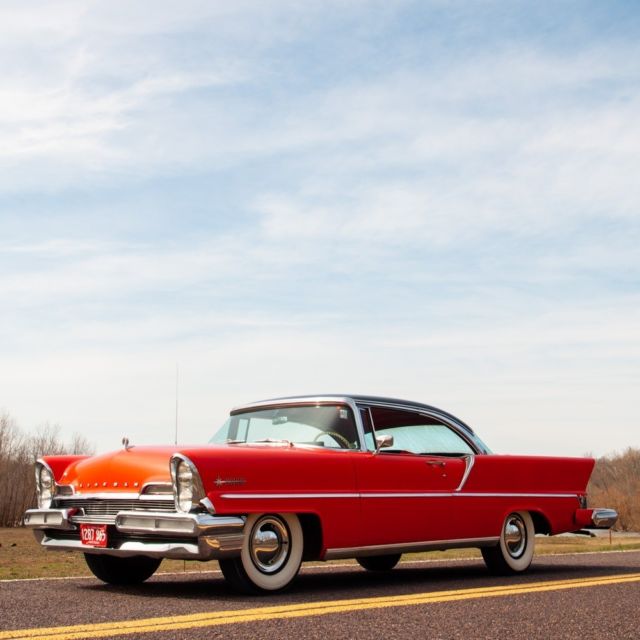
(338, 437)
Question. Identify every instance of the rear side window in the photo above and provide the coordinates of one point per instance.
(414, 433)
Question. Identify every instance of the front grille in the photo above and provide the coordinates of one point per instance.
(100, 510)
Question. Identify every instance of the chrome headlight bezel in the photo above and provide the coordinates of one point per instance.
(187, 485)
(45, 484)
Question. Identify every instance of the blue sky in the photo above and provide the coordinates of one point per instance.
(433, 200)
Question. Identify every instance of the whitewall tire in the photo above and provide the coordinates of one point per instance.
(271, 554)
(514, 552)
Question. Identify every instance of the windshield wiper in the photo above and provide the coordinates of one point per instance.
(275, 441)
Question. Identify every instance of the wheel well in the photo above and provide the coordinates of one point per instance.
(312, 532)
(540, 523)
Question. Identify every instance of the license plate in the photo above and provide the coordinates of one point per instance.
(94, 535)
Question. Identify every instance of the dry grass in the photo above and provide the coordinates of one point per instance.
(22, 557)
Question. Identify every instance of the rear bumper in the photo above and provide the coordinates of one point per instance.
(187, 536)
(596, 518)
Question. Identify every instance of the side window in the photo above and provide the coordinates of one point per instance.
(417, 433)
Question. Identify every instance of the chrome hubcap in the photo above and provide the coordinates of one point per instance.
(269, 544)
(515, 535)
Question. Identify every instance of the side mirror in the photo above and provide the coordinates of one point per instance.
(383, 442)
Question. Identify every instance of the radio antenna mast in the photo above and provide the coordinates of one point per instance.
(177, 379)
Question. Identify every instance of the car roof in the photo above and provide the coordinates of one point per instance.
(357, 398)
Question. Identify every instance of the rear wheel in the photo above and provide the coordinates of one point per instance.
(122, 571)
(514, 552)
(271, 554)
(379, 563)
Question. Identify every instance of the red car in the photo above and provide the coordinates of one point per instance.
(309, 478)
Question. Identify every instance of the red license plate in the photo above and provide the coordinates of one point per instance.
(94, 535)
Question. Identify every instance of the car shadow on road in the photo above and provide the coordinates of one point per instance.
(331, 582)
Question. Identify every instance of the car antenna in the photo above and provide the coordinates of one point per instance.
(177, 378)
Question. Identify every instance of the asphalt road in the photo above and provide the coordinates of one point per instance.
(570, 596)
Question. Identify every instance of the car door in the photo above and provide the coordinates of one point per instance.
(408, 488)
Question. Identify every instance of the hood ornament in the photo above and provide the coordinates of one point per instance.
(125, 444)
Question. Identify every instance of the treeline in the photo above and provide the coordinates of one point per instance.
(615, 483)
(18, 452)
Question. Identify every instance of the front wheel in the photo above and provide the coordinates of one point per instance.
(121, 571)
(271, 554)
(379, 563)
(514, 552)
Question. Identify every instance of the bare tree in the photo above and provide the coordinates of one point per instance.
(615, 482)
(18, 452)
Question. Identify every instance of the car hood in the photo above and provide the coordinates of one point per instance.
(127, 470)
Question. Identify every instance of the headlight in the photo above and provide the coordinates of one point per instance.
(187, 487)
(45, 485)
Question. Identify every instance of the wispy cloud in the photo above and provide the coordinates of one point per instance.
(289, 197)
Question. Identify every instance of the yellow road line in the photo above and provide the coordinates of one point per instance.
(216, 618)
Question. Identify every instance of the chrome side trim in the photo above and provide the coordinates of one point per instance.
(469, 461)
(286, 496)
(433, 494)
(515, 495)
(409, 547)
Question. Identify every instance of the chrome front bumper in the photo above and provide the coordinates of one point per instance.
(187, 536)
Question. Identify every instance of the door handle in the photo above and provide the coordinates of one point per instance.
(436, 463)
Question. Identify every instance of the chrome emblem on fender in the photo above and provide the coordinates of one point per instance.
(226, 481)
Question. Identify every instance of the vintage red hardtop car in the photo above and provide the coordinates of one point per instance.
(309, 478)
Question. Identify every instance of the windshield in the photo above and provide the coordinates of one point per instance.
(330, 426)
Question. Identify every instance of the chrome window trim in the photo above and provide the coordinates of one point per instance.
(355, 403)
(445, 419)
(309, 401)
(356, 400)
(291, 401)
(372, 422)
